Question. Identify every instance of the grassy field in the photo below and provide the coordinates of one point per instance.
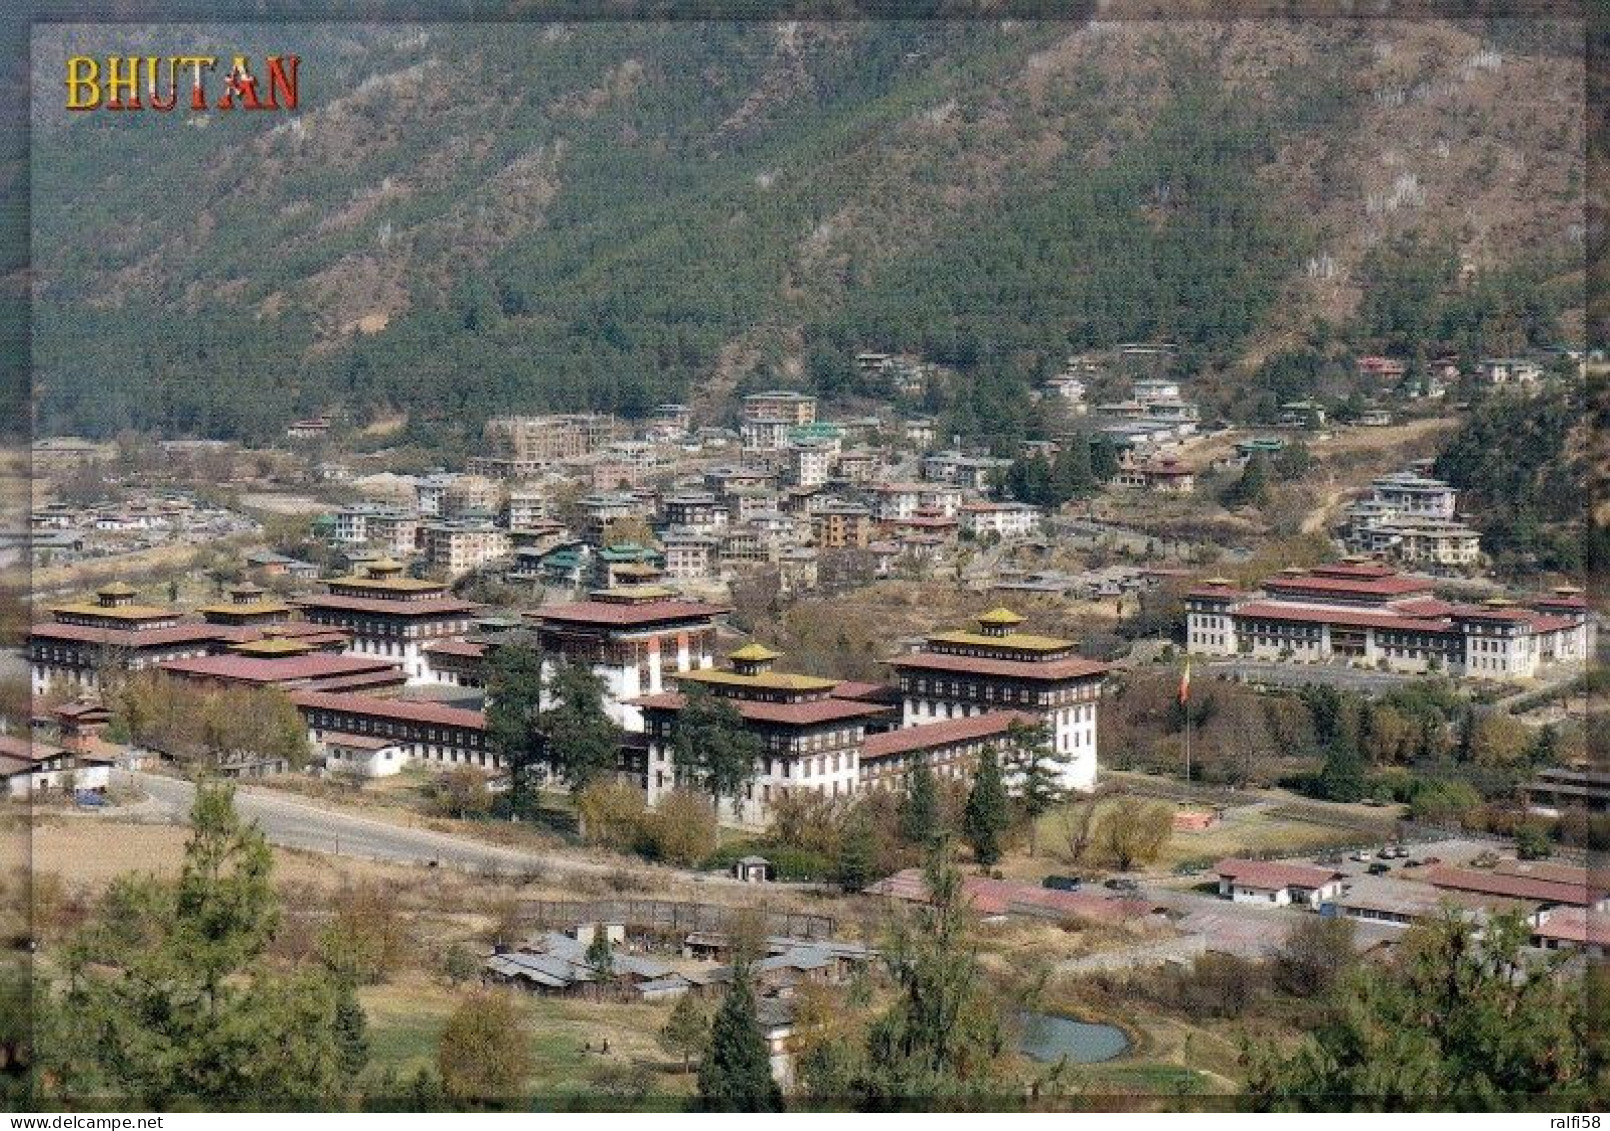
(406, 1017)
(1243, 830)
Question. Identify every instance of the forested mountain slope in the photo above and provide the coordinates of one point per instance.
(465, 219)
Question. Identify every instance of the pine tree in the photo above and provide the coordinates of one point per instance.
(513, 718)
(170, 1002)
(853, 869)
(1342, 778)
(1035, 766)
(582, 744)
(600, 955)
(713, 748)
(987, 815)
(686, 1032)
(942, 1038)
(735, 1071)
(919, 809)
(351, 1029)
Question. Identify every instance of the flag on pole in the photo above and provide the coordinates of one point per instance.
(1185, 682)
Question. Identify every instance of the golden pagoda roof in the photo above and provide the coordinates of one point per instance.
(1000, 615)
(754, 652)
(114, 612)
(1012, 641)
(115, 589)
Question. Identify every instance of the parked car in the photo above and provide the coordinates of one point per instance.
(1400, 852)
(1378, 869)
(1119, 883)
(1361, 856)
(1062, 883)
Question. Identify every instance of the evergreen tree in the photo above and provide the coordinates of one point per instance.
(853, 870)
(1461, 1019)
(713, 748)
(1252, 489)
(942, 1037)
(600, 955)
(514, 718)
(987, 815)
(919, 808)
(1103, 460)
(351, 1029)
(170, 1002)
(1342, 777)
(583, 746)
(1035, 768)
(686, 1032)
(1073, 475)
(735, 1071)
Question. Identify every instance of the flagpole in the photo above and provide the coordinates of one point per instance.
(1185, 701)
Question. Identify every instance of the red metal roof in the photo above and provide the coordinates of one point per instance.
(26, 749)
(278, 669)
(931, 735)
(421, 607)
(1271, 875)
(808, 713)
(862, 689)
(1553, 870)
(401, 710)
(135, 638)
(358, 741)
(1072, 667)
(621, 614)
(1575, 925)
(1512, 887)
(469, 649)
(1389, 586)
(1353, 618)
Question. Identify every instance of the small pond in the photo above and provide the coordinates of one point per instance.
(1049, 1037)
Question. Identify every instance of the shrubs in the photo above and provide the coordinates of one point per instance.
(1442, 801)
(682, 829)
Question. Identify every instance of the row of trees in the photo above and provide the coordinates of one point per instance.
(203, 727)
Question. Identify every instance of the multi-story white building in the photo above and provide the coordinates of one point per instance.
(689, 555)
(525, 509)
(1005, 520)
(1364, 613)
(1510, 370)
(997, 668)
(386, 614)
(1410, 517)
(811, 737)
(810, 462)
(631, 637)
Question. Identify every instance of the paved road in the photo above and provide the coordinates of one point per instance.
(297, 824)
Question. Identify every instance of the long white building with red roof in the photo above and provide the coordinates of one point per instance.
(1367, 613)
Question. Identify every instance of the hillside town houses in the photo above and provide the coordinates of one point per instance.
(631, 542)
